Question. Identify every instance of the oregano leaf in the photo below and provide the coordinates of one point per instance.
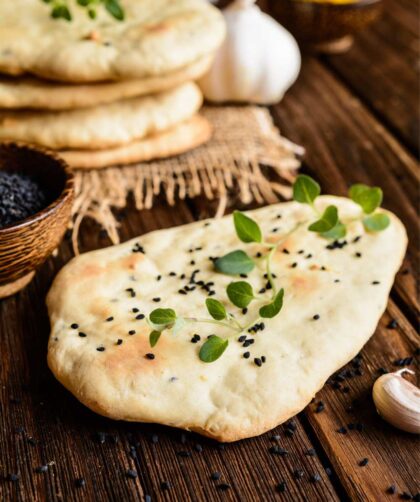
(376, 222)
(163, 316)
(273, 308)
(305, 189)
(212, 349)
(216, 309)
(154, 337)
(327, 222)
(240, 293)
(368, 198)
(246, 228)
(114, 8)
(234, 263)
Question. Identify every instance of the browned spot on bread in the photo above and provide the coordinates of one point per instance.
(90, 270)
(305, 283)
(131, 261)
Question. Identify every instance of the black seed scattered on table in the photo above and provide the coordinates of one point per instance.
(155, 439)
(315, 478)
(310, 452)
(406, 496)
(150, 356)
(223, 486)
(391, 490)
(281, 487)
(364, 462)
(382, 371)
(165, 485)
(275, 437)
(74, 326)
(328, 471)
(79, 482)
(82, 335)
(184, 454)
(417, 351)
(131, 474)
(147, 498)
(215, 476)
(100, 349)
(298, 474)
(320, 407)
(342, 430)
(198, 448)
(41, 469)
(316, 317)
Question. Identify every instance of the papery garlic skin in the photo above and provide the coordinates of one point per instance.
(258, 61)
(398, 401)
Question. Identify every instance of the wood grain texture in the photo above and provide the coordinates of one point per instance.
(348, 138)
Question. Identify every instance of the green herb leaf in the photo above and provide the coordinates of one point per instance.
(216, 309)
(368, 198)
(305, 189)
(154, 337)
(114, 8)
(272, 309)
(163, 316)
(212, 349)
(246, 228)
(234, 263)
(240, 293)
(327, 222)
(61, 11)
(376, 222)
(337, 232)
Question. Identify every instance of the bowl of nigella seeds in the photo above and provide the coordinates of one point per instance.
(36, 197)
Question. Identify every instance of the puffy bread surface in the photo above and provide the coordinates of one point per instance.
(231, 398)
(156, 37)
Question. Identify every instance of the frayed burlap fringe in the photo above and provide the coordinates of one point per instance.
(244, 139)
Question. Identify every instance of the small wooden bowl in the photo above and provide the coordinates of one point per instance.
(325, 26)
(28, 243)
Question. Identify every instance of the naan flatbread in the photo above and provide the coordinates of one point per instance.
(179, 139)
(103, 126)
(231, 398)
(31, 92)
(156, 38)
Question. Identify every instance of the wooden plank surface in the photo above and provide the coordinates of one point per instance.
(357, 121)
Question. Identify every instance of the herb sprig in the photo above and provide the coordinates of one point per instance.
(237, 263)
(60, 8)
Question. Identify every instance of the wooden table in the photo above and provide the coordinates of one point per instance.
(357, 116)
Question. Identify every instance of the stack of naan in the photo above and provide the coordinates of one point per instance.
(105, 92)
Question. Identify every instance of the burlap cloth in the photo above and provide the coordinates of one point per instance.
(245, 143)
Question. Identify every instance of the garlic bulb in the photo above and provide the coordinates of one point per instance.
(258, 61)
(398, 401)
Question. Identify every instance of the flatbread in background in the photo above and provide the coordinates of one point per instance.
(156, 38)
(29, 92)
(179, 139)
(232, 398)
(103, 126)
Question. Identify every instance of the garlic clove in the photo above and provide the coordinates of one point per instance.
(398, 401)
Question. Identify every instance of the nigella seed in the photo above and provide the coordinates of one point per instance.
(135, 310)
(285, 251)
(242, 338)
(375, 283)
(320, 407)
(198, 448)
(316, 317)
(358, 255)
(258, 361)
(342, 430)
(298, 474)
(79, 482)
(182, 292)
(310, 452)
(14, 477)
(315, 478)
(119, 341)
(74, 326)
(244, 311)
(281, 487)
(41, 469)
(364, 462)
(223, 486)
(155, 439)
(131, 474)
(215, 476)
(109, 319)
(246, 355)
(184, 454)
(140, 316)
(165, 485)
(293, 265)
(159, 277)
(244, 276)
(263, 359)
(132, 332)
(156, 300)
(392, 324)
(82, 335)
(100, 349)
(150, 356)
(391, 490)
